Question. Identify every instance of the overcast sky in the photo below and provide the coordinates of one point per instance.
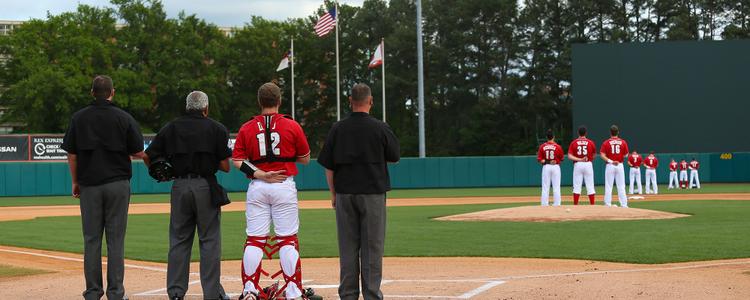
(219, 12)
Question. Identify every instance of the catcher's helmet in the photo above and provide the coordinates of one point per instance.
(161, 170)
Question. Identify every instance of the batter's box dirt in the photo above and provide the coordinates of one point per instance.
(437, 289)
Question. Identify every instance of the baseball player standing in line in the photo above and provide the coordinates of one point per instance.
(550, 155)
(673, 175)
(651, 163)
(683, 174)
(613, 151)
(581, 151)
(634, 161)
(694, 181)
(266, 149)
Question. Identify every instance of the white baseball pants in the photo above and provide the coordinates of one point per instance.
(277, 203)
(651, 186)
(615, 174)
(583, 172)
(673, 178)
(694, 178)
(551, 176)
(683, 176)
(635, 176)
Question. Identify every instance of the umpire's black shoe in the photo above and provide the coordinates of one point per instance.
(176, 298)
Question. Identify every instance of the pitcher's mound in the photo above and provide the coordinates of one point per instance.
(562, 213)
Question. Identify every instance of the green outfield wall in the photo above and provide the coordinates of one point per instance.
(52, 178)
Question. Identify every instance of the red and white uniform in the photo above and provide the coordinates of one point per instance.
(551, 155)
(673, 175)
(635, 161)
(583, 171)
(694, 181)
(272, 142)
(651, 162)
(683, 174)
(615, 149)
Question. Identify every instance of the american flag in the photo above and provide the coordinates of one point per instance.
(326, 23)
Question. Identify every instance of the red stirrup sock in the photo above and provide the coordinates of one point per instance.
(575, 198)
(591, 199)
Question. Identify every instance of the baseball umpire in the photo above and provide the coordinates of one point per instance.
(99, 141)
(196, 147)
(355, 156)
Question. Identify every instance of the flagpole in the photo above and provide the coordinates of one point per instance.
(338, 82)
(382, 54)
(291, 61)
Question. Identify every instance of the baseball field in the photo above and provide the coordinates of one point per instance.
(679, 244)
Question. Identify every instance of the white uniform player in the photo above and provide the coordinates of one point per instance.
(683, 174)
(581, 151)
(694, 181)
(634, 161)
(673, 175)
(550, 155)
(651, 162)
(266, 149)
(613, 151)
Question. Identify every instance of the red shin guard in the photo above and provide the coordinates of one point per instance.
(259, 242)
(295, 278)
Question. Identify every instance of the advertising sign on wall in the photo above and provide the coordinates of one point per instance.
(47, 148)
(14, 148)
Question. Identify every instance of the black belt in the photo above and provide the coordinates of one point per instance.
(189, 176)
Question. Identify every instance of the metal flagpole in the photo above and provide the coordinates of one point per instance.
(291, 61)
(338, 82)
(382, 57)
(420, 81)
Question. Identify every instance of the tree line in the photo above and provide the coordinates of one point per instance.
(497, 72)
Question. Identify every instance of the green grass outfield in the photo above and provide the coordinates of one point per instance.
(709, 188)
(716, 230)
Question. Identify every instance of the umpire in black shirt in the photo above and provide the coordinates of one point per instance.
(99, 141)
(197, 147)
(355, 156)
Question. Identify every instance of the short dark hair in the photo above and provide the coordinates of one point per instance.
(614, 130)
(651, 152)
(582, 130)
(269, 95)
(550, 134)
(693, 158)
(360, 92)
(102, 87)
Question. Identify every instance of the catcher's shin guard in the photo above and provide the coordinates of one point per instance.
(259, 242)
(295, 278)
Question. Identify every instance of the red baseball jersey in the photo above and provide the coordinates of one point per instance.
(673, 166)
(582, 147)
(287, 140)
(651, 162)
(694, 165)
(550, 151)
(615, 149)
(635, 159)
(683, 165)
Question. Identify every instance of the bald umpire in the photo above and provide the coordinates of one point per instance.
(355, 156)
(100, 140)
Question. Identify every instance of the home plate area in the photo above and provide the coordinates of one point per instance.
(401, 288)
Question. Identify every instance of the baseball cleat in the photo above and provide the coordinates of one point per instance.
(249, 296)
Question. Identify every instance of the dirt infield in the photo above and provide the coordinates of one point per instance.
(30, 212)
(562, 213)
(421, 278)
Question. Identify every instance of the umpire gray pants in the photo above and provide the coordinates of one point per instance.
(360, 222)
(104, 209)
(191, 207)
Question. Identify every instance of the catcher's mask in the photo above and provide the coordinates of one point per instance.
(161, 170)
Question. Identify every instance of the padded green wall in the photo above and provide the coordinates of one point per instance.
(52, 178)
